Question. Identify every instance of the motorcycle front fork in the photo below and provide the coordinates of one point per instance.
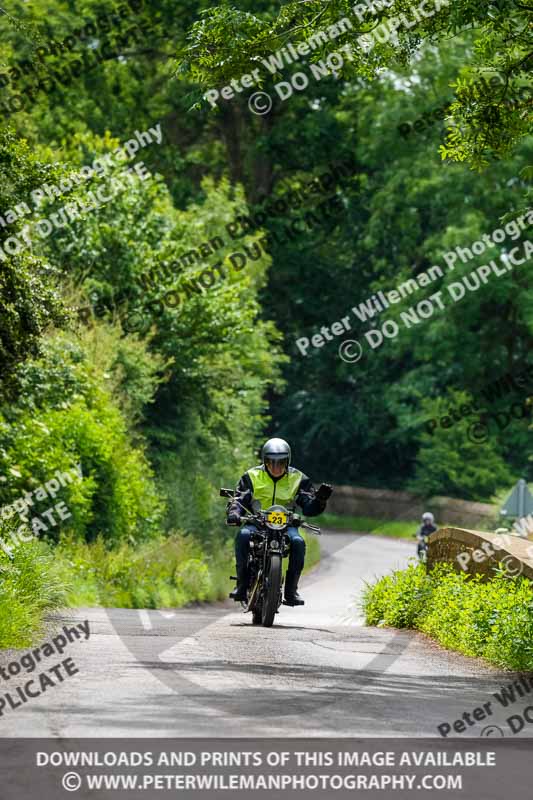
(255, 587)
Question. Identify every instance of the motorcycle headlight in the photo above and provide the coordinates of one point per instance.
(276, 517)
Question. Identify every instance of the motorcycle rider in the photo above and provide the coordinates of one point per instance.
(275, 481)
(428, 526)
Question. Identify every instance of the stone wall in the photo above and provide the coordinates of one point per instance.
(480, 552)
(385, 504)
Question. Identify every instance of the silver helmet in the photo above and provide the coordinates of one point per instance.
(276, 450)
(428, 517)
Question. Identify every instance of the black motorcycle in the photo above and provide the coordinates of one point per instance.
(269, 545)
(422, 549)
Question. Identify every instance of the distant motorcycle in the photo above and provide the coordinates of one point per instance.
(422, 549)
(269, 545)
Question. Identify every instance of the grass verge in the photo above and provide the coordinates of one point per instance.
(491, 619)
(164, 572)
(168, 572)
(312, 550)
(30, 586)
(397, 529)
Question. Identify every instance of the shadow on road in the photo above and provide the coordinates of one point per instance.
(363, 702)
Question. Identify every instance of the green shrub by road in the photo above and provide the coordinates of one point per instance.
(162, 573)
(167, 572)
(492, 619)
(30, 586)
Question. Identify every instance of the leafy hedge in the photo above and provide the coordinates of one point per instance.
(30, 585)
(68, 412)
(491, 619)
(162, 572)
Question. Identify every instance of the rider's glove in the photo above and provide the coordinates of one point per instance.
(324, 492)
(234, 518)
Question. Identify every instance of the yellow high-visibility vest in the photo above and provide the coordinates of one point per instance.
(269, 492)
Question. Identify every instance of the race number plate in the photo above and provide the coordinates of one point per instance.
(277, 518)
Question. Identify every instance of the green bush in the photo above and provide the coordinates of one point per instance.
(161, 572)
(449, 463)
(30, 585)
(397, 599)
(29, 299)
(68, 413)
(193, 578)
(490, 619)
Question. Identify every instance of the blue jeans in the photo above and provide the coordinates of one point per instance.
(296, 556)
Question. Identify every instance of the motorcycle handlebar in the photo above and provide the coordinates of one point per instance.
(312, 528)
(295, 520)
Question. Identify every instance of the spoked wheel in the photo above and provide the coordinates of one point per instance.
(254, 598)
(272, 592)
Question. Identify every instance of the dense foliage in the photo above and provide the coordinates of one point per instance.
(30, 585)
(151, 336)
(492, 619)
(164, 572)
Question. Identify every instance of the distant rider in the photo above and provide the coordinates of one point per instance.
(275, 482)
(428, 526)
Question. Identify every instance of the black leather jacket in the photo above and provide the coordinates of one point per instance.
(306, 498)
(425, 530)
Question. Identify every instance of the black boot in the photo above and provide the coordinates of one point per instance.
(240, 592)
(292, 598)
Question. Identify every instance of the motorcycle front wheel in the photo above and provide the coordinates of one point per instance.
(272, 591)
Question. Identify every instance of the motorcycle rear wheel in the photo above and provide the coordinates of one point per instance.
(272, 592)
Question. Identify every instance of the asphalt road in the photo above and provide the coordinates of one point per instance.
(208, 672)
